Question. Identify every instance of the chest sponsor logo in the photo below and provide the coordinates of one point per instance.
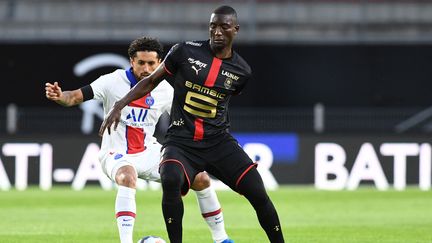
(230, 75)
(137, 118)
(137, 115)
(197, 65)
(201, 101)
(204, 90)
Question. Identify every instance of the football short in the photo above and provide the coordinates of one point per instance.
(225, 161)
(146, 163)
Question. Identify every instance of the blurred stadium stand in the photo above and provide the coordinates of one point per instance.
(176, 20)
(262, 21)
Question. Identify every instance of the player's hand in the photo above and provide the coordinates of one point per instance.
(112, 118)
(53, 91)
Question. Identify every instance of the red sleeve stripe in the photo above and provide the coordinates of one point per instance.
(244, 173)
(214, 213)
(199, 129)
(125, 213)
(213, 73)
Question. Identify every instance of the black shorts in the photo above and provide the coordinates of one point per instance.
(226, 161)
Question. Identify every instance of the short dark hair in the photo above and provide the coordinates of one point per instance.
(145, 44)
(225, 9)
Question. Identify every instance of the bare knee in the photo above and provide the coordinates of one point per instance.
(126, 176)
(201, 182)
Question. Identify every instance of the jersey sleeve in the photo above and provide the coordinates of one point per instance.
(87, 92)
(98, 87)
(245, 77)
(245, 80)
(173, 58)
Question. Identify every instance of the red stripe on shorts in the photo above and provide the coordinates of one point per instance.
(244, 173)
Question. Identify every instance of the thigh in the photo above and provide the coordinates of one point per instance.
(230, 164)
(112, 162)
(175, 154)
(146, 163)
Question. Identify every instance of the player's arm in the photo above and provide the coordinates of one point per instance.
(65, 98)
(142, 88)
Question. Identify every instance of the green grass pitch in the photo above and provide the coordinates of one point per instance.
(307, 215)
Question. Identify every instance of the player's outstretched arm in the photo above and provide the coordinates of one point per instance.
(142, 88)
(65, 98)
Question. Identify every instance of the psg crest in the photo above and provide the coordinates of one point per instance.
(149, 100)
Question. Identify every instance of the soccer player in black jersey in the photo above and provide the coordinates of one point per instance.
(204, 74)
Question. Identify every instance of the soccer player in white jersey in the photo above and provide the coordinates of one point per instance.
(132, 151)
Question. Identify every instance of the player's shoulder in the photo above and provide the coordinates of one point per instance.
(164, 85)
(164, 91)
(241, 63)
(194, 43)
(190, 44)
(115, 74)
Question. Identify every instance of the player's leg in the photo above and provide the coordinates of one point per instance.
(233, 166)
(121, 170)
(252, 187)
(172, 179)
(125, 204)
(210, 207)
(176, 173)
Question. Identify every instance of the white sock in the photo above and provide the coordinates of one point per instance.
(212, 213)
(125, 208)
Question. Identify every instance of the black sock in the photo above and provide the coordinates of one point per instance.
(269, 221)
(252, 187)
(173, 214)
(172, 205)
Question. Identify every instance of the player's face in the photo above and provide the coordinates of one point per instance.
(144, 63)
(222, 29)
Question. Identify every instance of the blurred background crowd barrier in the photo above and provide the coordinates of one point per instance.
(350, 76)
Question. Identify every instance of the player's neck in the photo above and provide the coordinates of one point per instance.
(222, 53)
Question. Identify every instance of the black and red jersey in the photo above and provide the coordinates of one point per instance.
(203, 85)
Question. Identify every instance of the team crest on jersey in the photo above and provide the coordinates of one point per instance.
(149, 101)
(228, 83)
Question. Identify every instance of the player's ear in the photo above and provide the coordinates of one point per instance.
(131, 61)
(237, 28)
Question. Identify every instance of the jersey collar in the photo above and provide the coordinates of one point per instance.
(133, 81)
